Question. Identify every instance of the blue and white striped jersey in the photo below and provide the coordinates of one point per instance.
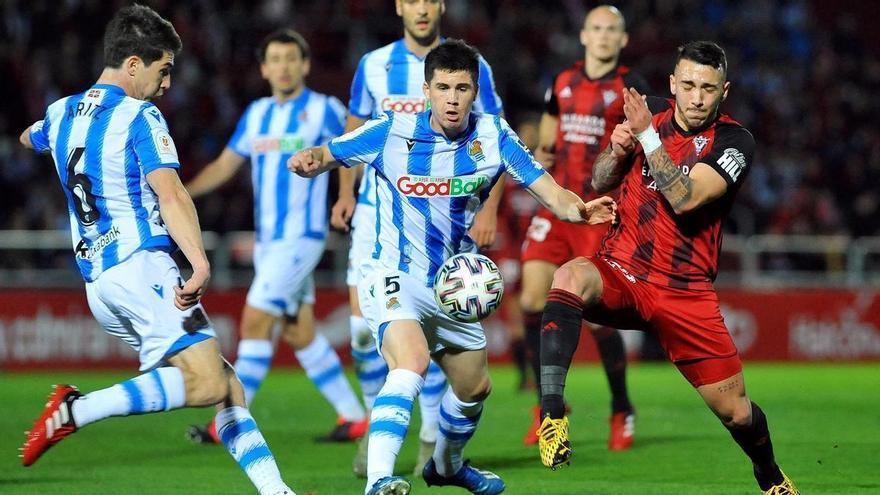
(390, 79)
(104, 143)
(429, 188)
(287, 206)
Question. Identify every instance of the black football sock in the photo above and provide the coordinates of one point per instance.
(518, 353)
(532, 323)
(755, 442)
(613, 354)
(560, 332)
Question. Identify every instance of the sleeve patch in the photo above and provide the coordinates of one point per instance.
(165, 146)
(732, 161)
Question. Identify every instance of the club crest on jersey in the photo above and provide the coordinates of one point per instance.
(476, 150)
(609, 95)
(392, 303)
(423, 186)
(303, 116)
(700, 142)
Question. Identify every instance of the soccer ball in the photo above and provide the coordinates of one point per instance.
(468, 287)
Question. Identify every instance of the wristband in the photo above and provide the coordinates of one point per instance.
(650, 140)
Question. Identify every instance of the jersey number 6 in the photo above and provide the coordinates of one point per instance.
(80, 187)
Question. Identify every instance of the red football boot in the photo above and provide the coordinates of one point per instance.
(204, 434)
(53, 425)
(531, 437)
(623, 429)
(346, 431)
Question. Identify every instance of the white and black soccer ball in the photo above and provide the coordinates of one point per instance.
(468, 287)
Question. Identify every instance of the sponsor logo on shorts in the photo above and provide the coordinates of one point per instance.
(403, 104)
(423, 186)
(615, 265)
(87, 252)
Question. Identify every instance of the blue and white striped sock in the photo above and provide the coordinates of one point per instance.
(371, 368)
(252, 365)
(458, 422)
(429, 402)
(322, 365)
(239, 433)
(389, 422)
(159, 390)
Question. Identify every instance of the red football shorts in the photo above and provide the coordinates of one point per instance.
(552, 240)
(688, 323)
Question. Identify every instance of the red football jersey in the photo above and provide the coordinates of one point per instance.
(651, 241)
(587, 109)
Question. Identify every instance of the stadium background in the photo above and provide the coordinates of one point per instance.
(801, 265)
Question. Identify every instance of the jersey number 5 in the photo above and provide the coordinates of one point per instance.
(80, 187)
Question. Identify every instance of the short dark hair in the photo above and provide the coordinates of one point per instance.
(453, 55)
(283, 36)
(139, 30)
(704, 53)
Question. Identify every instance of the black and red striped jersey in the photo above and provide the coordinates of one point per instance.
(654, 243)
(587, 109)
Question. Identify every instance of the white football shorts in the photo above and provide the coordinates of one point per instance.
(386, 295)
(363, 241)
(283, 278)
(134, 301)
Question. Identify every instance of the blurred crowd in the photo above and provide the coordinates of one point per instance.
(802, 77)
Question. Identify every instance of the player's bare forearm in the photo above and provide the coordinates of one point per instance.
(25, 139)
(563, 203)
(215, 174)
(180, 217)
(608, 171)
(676, 187)
(312, 162)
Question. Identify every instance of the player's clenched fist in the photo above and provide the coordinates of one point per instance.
(599, 210)
(305, 162)
(623, 141)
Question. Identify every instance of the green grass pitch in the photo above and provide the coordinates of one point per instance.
(825, 421)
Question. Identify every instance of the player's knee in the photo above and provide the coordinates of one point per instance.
(474, 392)
(579, 277)
(208, 389)
(735, 413)
(532, 301)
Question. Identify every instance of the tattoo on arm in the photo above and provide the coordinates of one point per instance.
(607, 171)
(675, 186)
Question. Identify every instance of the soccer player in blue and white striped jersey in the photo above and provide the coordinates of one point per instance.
(434, 170)
(290, 219)
(128, 210)
(390, 79)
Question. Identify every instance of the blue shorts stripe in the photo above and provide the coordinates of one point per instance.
(393, 401)
(259, 453)
(328, 376)
(161, 388)
(455, 436)
(388, 427)
(230, 432)
(382, 328)
(186, 341)
(135, 398)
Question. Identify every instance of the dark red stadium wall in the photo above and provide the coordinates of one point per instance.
(54, 328)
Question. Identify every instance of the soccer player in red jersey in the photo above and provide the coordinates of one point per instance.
(679, 163)
(583, 106)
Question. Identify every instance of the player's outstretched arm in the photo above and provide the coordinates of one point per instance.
(312, 161)
(343, 209)
(683, 192)
(611, 165)
(568, 206)
(25, 139)
(215, 173)
(182, 222)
